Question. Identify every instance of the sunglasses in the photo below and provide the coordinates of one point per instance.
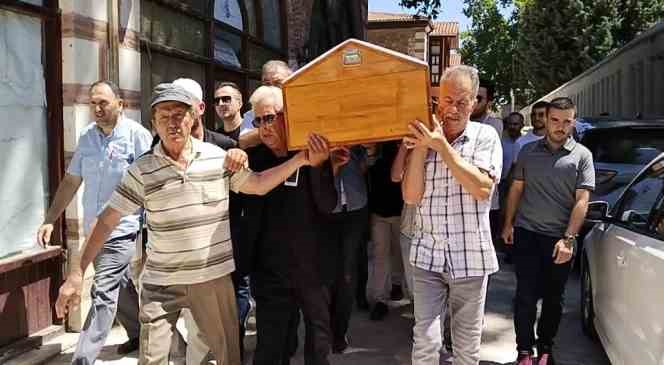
(266, 119)
(222, 100)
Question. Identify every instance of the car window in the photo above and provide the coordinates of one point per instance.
(625, 145)
(636, 208)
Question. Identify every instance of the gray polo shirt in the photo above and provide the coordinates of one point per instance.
(551, 179)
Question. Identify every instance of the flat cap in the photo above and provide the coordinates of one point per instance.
(171, 92)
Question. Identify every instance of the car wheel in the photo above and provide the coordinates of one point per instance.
(587, 305)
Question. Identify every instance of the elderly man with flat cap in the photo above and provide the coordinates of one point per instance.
(183, 185)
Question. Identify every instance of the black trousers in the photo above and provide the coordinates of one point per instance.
(349, 230)
(537, 277)
(277, 320)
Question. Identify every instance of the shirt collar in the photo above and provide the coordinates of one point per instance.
(192, 150)
(568, 145)
(463, 137)
(119, 124)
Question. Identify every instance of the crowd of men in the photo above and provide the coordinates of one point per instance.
(234, 218)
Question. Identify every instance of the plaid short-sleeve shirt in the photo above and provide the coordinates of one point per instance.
(452, 232)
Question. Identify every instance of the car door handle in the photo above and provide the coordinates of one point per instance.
(620, 259)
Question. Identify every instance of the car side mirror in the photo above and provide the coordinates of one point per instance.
(598, 212)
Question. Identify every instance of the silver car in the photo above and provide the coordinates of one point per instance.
(621, 267)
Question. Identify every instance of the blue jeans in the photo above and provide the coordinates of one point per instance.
(242, 298)
(113, 292)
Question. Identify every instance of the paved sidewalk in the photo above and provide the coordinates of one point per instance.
(389, 342)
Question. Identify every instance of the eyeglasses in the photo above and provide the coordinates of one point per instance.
(222, 100)
(538, 114)
(266, 119)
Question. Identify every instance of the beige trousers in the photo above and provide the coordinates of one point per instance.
(212, 305)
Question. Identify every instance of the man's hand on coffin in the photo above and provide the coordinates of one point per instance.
(339, 157)
(423, 136)
(318, 150)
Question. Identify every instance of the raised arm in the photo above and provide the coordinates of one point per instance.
(477, 180)
(66, 191)
(249, 139)
(412, 187)
(260, 183)
(399, 164)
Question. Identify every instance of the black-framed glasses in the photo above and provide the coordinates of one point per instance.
(222, 100)
(266, 119)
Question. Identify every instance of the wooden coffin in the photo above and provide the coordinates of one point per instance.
(356, 93)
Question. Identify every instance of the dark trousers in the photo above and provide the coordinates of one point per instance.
(537, 277)
(277, 319)
(349, 229)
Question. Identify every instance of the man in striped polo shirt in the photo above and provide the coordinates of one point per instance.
(183, 184)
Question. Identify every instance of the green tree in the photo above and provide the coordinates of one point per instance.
(636, 16)
(559, 39)
(429, 8)
(489, 45)
(545, 43)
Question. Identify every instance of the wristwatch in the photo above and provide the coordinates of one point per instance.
(570, 240)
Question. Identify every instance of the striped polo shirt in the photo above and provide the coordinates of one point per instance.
(186, 211)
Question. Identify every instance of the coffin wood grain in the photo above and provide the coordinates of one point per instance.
(352, 104)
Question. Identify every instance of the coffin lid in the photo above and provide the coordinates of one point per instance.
(379, 55)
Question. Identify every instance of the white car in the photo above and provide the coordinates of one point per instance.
(622, 265)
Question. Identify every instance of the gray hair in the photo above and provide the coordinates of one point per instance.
(461, 71)
(267, 95)
(276, 66)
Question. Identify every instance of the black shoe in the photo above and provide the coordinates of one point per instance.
(379, 312)
(340, 345)
(397, 293)
(128, 347)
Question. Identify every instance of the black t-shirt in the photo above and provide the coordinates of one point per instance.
(234, 134)
(385, 197)
(282, 231)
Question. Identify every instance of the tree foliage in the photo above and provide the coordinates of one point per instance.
(489, 45)
(429, 8)
(559, 39)
(636, 16)
(545, 43)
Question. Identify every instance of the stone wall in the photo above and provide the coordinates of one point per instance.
(411, 41)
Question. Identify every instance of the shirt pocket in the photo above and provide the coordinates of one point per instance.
(121, 156)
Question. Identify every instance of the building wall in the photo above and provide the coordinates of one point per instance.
(410, 41)
(299, 16)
